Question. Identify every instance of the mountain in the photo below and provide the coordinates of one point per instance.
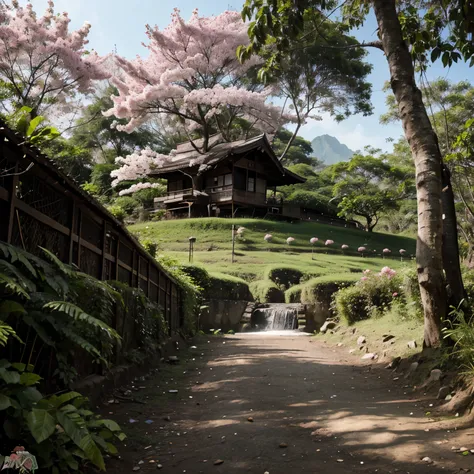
(330, 150)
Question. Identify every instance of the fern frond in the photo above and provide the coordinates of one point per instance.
(79, 315)
(14, 287)
(80, 341)
(57, 263)
(13, 271)
(7, 331)
(16, 254)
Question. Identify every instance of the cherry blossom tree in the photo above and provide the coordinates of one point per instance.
(42, 62)
(192, 77)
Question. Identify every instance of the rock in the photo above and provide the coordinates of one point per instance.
(159, 466)
(327, 325)
(412, 344)
(388, 337)
(136, 468)
(218, 462)
(173, 360)
(339, 344)
(394, 364)
(250, 419)
(370, 356)
(435, 375)
(412, 369)
(361, 340)
(283, 445)
(427, 460)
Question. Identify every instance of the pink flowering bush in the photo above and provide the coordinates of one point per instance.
(290, 240)
(329, 242)
(344, 247)
(313, 240)
(373, 294)
(361, 250)
(268, 237)
(386, 251)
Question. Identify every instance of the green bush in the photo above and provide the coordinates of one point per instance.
(265, 291)
(283, 276)
(127, 203)
(150, 246)
(321, 289)
(218, 285)
(117, 212)
(293, 294)
(352, 304)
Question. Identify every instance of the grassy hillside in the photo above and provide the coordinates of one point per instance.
(254, 255)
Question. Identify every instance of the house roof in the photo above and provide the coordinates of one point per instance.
(188, 158)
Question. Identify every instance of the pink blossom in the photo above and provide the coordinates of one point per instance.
(386, 251)
(289, 240)
(361, 249)
(394, 294)
(364, 278)
(402, 251)
(268, 237)
(329, 242)
(313, 240)
(388, 272)
(344, 247)
(51, 60)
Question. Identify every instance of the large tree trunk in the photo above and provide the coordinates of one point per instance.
(424, 147)
(451, 262)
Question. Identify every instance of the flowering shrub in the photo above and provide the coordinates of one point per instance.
(328, 242)
(268, 237)
(344, 247)
(386, 251)
(289, 240)
(313, 240)
(374, 293)
(361, 249)
(240, 231)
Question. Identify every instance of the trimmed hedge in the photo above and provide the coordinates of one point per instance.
(265, 291)
(286, 276)
(293, 294)
(218, 286)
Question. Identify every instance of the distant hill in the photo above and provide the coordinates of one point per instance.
(330, 150)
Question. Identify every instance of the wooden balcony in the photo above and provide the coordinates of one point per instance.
(176, 196)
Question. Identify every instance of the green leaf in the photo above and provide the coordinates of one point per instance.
(4, 364)
(81, 438)
(13, 286)
(29, 396)
(41, 424)
(110, 424)
(23, 367)
(5, 403)
(121, 436)
(59, 265)
(10, 306)
(66, 397)
(111, 449)
(9, 376)
(28, 379)
(34, 125)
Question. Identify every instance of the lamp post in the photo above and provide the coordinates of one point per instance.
(191, 248)
(233, 243)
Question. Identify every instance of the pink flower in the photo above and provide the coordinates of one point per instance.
(364, 278)
(329, 242)
(402, 251)
(344, 247)
(386, 251)
(394, 294)
(289, 240)
(268, 237)
(387, 271)
(366, 272)
(361, 249)
(313, 240)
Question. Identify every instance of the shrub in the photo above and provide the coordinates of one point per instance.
(286, 276)
(150, 246)
(352, 304)
(293, 294)
(410, 289)
(265, 291)
(117, 212)
(127, 203)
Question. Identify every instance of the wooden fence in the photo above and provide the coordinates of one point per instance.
(41, 206)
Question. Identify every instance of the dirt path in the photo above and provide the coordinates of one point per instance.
(333, 414)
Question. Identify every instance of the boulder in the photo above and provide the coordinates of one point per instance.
(327, 326)
(412, 344)
(370, 356)
(361, 340)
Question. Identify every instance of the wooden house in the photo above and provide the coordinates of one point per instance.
(238, 178)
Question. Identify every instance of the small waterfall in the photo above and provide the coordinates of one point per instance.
(275, 318)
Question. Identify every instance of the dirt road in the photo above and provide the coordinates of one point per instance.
(282, 404)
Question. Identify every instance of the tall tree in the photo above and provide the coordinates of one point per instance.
(42, 63)
(280, 21)
(299, 151)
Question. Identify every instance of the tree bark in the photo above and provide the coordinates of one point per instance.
(451, 262)
(424, 147)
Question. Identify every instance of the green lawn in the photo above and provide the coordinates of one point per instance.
(254, 255)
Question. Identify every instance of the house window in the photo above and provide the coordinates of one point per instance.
(251, 181)
(228, 179)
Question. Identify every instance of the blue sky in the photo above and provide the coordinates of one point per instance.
(121, 24)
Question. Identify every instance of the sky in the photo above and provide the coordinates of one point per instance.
(120, 25)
